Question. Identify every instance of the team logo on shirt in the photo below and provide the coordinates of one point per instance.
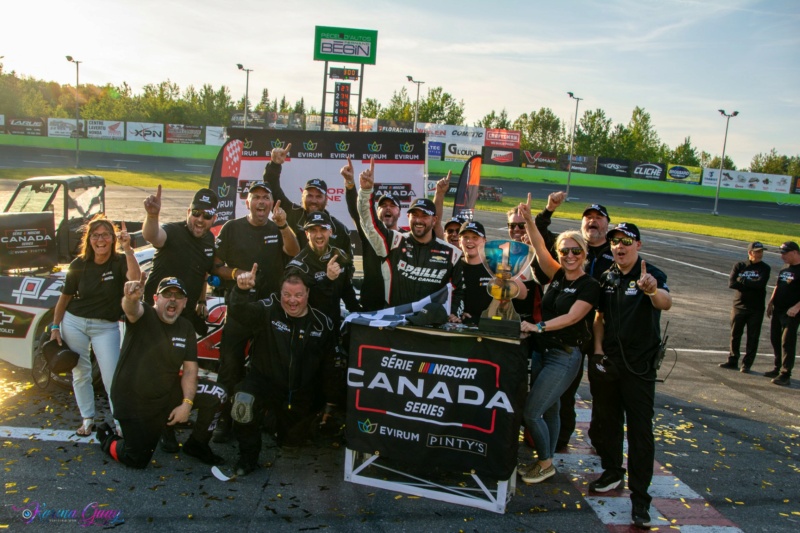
(632, 288)
(438, 259)
(786, 277)
(108, 276)
(270, 239)
(179, 342)
(209, 252)
(280, 326)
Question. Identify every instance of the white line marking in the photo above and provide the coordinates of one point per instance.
(125, 161)
(54, 435)
(37, 162)
(634, 203)
(189, 171)
(201, 166)
(687, 264)
(110, 166)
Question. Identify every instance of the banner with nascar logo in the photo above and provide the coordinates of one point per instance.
(399, 166)
(434, 398)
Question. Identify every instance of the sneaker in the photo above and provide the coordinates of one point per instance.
(103, 432)
(202, 451)
(730, 365)
(607, 481)
(243, 467)
(537, 474)
(782, 380)
(745, 370)
(168, 443)
(640, 516)
(224, 431)
(774, 373)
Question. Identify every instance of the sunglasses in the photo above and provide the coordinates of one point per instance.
(577, 250)
(197, 213)
(172, 295)
(518, 225)
(451, 231)
(627, 241)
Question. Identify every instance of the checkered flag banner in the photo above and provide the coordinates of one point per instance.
(437, 303)
(232, 159)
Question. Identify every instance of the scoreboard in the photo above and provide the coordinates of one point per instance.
(341, 103)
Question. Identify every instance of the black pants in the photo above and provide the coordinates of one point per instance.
(783, 334)
(627, 398)
(751, 319)
(232, 348)
(141, 434)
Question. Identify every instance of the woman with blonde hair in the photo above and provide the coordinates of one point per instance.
(89, 308)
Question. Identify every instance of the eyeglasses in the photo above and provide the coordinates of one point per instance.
(197, 213)
(577, 250)
(627, 241)
(451, 231)
(98, 236)
(173, 295)
(518, 225)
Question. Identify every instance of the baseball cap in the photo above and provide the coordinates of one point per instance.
(205, 200)
(259, 185)
(755, 246)
(455, 220)
(317, 183)
(167, 283)
(626, 228)
(390, 197)
(318, 218)
(599, 208)
(473, 226)
(423, 204)
(789, 246)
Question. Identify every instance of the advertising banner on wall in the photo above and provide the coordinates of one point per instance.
(796, 188)
(461, 151)
(546, 160)
(113, 130)
(608, 166)
(503, 138)
(350, 45)
(751, 181)
(254, 120)
(435, 150)
(395, 126)
(215, 135)
(430, 399)
(36, 126)
(684, 174)
(144, 132)
(582, 164)
(507, 157)
(64, 127)
(2, 123)
(284, 121)
(649, 171)
(399, 166)
(183, 134)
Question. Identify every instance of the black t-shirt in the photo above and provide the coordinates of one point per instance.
(240, 244)
(96, 290)
(476, 297)
(750, 282)
(558, 300)
(787, 289)
(148, 371)
(185, 257)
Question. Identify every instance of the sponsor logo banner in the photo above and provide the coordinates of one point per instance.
(144, 132)
(183, 134)
(215, 135)
(751, 181)
(64, 127)
(28, 240)
(796, 188)
(684, 174)
(435, 150)
(448, 401)
(455, 134)
(106, 129)
(461, 151)
(30, 291)
(546, 160)
(503, 138)
(2, 123)
(27, 126)
(608, 166)
(345, 44)
(649, 171)
(284, 121)
(395, 126)
(582, 164)
(508, 157)
(14, 323)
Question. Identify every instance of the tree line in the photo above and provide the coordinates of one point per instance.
(542, 130)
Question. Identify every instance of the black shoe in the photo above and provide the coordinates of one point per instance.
(202, 451)
(782, 380)
(730, 365)
(224, 431)
(607, 481)
(243, 467)
(640, 516)
(103, 432)
(745, 370)
(774, 373)
(168, 443)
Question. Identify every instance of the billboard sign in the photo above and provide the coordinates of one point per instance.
(544, 160)
(608, 166)
(503, 138)
(183, 134)
(27, 126)
(144, 132)
(507, 157)
(684, 174)
(649, 171)
(348, 45)
(582, 164)
(750, 181)
(64, 127)
(106, 129)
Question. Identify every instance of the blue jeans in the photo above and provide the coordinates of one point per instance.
(103, 336)
(551, 373)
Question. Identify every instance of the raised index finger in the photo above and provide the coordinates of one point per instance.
(372, 165)
(158, 192)
(122, 226)
(333, 257)
(288, 147)
(349, 163)
(254, 269)
(277, 205)
(644, 268)
(528, 203)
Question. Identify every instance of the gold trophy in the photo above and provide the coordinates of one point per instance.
(506, 260)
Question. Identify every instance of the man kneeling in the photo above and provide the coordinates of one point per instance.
(148, 390)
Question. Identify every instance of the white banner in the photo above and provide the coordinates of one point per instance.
(63, 127)
(215, 135)
(461, 151)
(749, 181)
(106, 129)
(455, 134)
(3, 123)
(144, 132)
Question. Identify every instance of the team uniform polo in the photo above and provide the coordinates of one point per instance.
(326, 293)
(783, 328)
(749, 281)
(476, 295)
(96, 290)
(561, 295)
(372, 288)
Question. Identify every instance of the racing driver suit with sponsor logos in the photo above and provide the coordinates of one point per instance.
(413, 270)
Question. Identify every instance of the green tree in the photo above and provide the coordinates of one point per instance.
(492, 120)
(541, 130)
(592, 133)
(371, 108)
(685, 154)
(729, 164)
(440, 107)
(770, 163)
(400, 107)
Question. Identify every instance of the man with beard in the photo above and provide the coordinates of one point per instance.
(149, 391)
(313, 199)
(783, 310)
(418, 264)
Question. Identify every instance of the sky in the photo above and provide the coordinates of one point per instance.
(680, 60)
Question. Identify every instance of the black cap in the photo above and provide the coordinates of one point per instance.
(259, 185)
(599, 208)
(424, 205)
(60, 358)
(473, 226)
(432, 314)
(755, 246)
(205, 200)
(789, 246)
(390, 197)
(459, 220)
(168, 283)
(628, 229)
(317, 183)
(318, 218)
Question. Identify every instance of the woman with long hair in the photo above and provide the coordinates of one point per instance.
(89, 308)
(565, 325)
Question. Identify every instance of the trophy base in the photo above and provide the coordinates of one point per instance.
(499, 327)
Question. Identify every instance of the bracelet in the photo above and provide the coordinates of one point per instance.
(542, 326)
(283, 227)
(233, 273)
(55, 327)
(190, 402)
(651, 293)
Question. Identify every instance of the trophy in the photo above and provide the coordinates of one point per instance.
(506, 260)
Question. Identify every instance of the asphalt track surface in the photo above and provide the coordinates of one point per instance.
(731, 437)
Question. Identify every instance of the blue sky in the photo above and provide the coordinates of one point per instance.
(681, 60)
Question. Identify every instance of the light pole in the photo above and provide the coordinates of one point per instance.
(77, 109)
(722, 161)
(572, 140)
(246, 90)
(416, 107)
